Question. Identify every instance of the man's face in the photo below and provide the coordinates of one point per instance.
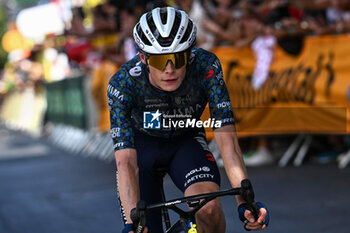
(168, 79)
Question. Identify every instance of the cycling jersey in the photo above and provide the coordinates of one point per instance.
(135, 104)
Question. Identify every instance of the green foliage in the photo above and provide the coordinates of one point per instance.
(26, 3)
(3, 27)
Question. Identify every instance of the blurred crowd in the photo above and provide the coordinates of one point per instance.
(261, 24)
(97, 49)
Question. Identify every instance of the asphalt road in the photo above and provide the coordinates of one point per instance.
(46, 190)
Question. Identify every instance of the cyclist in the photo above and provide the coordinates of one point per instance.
(156, 100)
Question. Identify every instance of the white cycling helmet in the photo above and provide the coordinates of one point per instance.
(164, 30)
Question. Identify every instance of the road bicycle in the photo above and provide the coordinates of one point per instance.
(186, 222)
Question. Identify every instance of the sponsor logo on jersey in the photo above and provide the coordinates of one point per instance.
(209, 74)
(115, 92)
(135, 71)
(110, 102)
(225, 104)
(183, 100)
(216, 63)
(210, 157)
(227, 120)
(115, 132)
(155, 103)
(199, 176)
(118, 144)
(183, 111)
(220, 78)
(196, 170)
(198, 173)
(160, 105)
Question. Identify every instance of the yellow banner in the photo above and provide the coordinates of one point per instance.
(304, 93)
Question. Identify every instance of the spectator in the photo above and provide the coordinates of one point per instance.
(259, 153)
(337, 16)
(104, 19)
(76, 26)
(100, 78)
(285, 22)
(222, 12)
(245, 25)
(113, 55)
(197, 12)
(125, 47)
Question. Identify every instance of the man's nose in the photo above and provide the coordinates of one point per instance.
(169, 68)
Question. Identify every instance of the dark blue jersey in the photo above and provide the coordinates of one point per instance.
(135, 104)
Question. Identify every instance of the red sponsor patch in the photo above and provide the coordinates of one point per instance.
(209, 74)
(210, 157)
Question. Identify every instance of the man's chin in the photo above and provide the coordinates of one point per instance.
(170, 87)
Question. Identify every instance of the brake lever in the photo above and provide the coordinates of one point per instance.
(138, 216)
(248, 195)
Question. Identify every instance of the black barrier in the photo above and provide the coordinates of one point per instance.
(65, 102)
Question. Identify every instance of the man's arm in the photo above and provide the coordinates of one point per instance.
(227, 141)
(128, 179)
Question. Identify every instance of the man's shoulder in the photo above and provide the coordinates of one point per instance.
(129, 71)
(202, 55)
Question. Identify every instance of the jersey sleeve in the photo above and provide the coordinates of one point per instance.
(119, 94)
(217, 94)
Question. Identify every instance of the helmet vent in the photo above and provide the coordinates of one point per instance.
(142, 35)
(169, 40)
(163, 15)
(152, 26)
(187, 32)
(176, 25)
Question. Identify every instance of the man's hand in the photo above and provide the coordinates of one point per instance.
(247, 217)
(255, 225)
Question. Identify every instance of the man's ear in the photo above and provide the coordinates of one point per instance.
(142, 57)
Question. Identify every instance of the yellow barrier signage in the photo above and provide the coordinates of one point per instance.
(305, 93)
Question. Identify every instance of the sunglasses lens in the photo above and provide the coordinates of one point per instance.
(180, 59)
(160, 61)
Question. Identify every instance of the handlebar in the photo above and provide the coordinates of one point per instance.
(138, 214)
